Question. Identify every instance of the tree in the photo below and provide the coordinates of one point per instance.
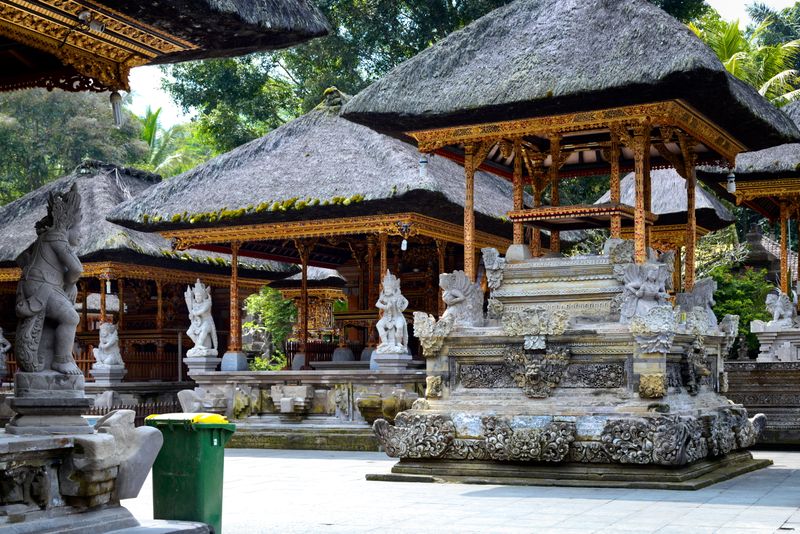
(175, 149)
(44, 135)
(743, 295)
(244, 98)
(769, 68)
(274, 314)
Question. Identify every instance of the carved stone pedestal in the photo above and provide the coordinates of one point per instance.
(234, 361)
(108, 375)
(49, 403)
(517, 253)
(201, 364)
(776, 343)
(293, 402)
(389, 362)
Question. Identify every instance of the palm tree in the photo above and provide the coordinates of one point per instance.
(768, 68)
(172, 150)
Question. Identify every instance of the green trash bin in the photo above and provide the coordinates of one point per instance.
(187, 474)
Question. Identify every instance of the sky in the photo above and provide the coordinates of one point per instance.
(146, 81)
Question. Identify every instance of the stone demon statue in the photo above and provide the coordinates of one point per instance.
(47, 289)
(780, 306)
(202, 330)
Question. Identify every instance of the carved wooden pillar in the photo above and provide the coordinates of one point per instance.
(383, 241)
(371, 245)
(614, 154)
(784, 223)
(304, 248)
(469, 211)
(555, 197)
(441, 252)
(235, 335)
(641, 146)
(84, 287)
(103, 315)
(690, 241)
(676, 272)
(121, 298)
(536, 234)
(519, 235)
(160, 305)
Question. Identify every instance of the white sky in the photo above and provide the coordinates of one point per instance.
(146, 81)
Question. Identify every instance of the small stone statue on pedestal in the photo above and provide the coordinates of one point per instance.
(783, 311)
(49, 389)
(202, 330)
(392, 352)
(108, 367)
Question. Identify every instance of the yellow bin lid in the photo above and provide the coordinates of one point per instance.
(202, 418)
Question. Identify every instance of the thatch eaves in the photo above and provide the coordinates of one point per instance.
(102, 187)
(669, 200)
(317, 277)
(543, 57)
(225, 28)
(316, 167)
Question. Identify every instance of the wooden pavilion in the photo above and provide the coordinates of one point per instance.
(131, 278)
(323, 191)
(574, 89)
(669, 204)
(768, 182)
(91, 45)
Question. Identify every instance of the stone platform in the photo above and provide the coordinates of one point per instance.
(692, 477)
(315, 433)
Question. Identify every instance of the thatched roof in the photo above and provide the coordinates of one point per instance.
(317, 277)
(315, 167)
(542, 57)
(102, 187)
(669, 202)
(223, 28)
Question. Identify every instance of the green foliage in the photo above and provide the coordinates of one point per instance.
(240, 99)
(276, 362)
(173, 150)
(275, 315)
(744, 295)
(44, 135)
(340, 305)
(767, 67)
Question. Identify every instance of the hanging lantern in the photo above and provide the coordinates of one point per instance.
(116, 108)
(423, 167)
(731, 183)
(404, 245)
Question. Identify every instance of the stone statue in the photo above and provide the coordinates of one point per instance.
(5, 346)
(47, 290)
(780, 306)
(107, 353)
(392, 328)
(494, 264)
(463, 298)
(644, 290)
(202, 330)
(702, 296)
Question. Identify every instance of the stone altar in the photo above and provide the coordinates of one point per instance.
(585, 374)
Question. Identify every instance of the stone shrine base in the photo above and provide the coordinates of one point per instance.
(692, 477)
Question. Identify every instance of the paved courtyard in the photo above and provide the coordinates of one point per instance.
(317, 491)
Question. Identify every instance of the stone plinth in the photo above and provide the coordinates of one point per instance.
(201, 364)
(343, 354)
(776, 343)
(108, 375)
(49, 403)
(380, 361)
(234, 361)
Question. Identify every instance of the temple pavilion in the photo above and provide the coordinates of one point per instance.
(323, 191)
(768, 182)
(92, 45)
(131, 278)
(583, 91)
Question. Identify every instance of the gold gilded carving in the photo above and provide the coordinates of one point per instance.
(652, 386)
(779, 188)
(373, 224)
(674, 113)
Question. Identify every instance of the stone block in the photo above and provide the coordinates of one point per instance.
(108, 375)
(201, 364)
(234, 361)
(389, 362)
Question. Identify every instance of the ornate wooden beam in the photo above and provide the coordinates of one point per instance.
(519, 236)
(641, 146)
(690, 174)
(235, 334)
(784, 224)
(674, 113)
(389, 224)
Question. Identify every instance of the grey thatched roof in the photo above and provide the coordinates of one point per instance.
(541, 57)
(317, 277)
(320, 166)
(669, 202)
(102, 187)
(222, 28)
